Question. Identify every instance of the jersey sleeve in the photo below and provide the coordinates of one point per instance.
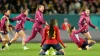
(58, 37)
(80, 21)
(38, 18)
(78, 31)
(3, 22)
(30, 19)
(91, 24)
(17, 18)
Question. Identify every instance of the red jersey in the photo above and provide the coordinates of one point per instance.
(65, 26)
(76, 38)
(55, 40)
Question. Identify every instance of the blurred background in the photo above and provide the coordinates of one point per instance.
(57, 9)
(52, 6)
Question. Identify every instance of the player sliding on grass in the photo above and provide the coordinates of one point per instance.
(51, 38)
(21, 19)
(85, 18)
(79, 41)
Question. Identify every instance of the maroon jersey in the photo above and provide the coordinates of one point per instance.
(39, 21)
(85, 19)
(21, 19)
(4, 23)
(76, 38)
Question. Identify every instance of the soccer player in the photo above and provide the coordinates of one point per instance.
(39, 21)
(4, 27)
(79, 41)
(85, 18)
(21, 19)
(51, 38)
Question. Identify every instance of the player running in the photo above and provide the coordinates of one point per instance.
(4, 28)
(51, 38)
(85, 18)
(79, 41)
(21, 19)
(39, 21)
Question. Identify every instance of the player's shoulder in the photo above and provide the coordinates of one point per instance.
(46, 27)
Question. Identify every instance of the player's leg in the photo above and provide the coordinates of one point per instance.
(1, 38)
(41, 32)
(59, 49)
(91, 42)
(5, 40)
(44, 49)
(34, 32)
(87, 34)
(23, 35)
(14, 39)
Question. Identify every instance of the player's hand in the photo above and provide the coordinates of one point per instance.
(46, 23)
(96, 28)
(40, 45)
(79, 48)
(65, 46)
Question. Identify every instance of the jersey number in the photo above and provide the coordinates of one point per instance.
(54, 35)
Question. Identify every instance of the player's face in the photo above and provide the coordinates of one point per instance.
(87, 11)
(41, 8)
(8, 12)
(26, 12)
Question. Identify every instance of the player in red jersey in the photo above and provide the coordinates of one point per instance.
(51, 38)
(79, 41)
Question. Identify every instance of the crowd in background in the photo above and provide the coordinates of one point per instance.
(51, 6)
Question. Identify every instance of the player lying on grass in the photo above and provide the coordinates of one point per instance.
(51, 38)
(79, 41)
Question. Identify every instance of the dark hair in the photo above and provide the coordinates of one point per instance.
(51, 30)
(71, 28)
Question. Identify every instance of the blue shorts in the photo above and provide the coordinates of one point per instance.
(84, 45)
(54, 46)
(17, 30)
(85, 31)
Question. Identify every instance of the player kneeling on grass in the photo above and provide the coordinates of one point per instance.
(51, 38)
(79, 41)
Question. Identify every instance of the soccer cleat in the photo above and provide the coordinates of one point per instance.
(25, 48)
(3, 49)
(7, 47)
(47, 52)
(53, 53)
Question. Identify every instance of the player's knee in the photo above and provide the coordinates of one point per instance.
(7, 40)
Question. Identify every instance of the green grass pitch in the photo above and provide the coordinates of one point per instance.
(71, 50)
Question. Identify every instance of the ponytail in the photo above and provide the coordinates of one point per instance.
(51, 30)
